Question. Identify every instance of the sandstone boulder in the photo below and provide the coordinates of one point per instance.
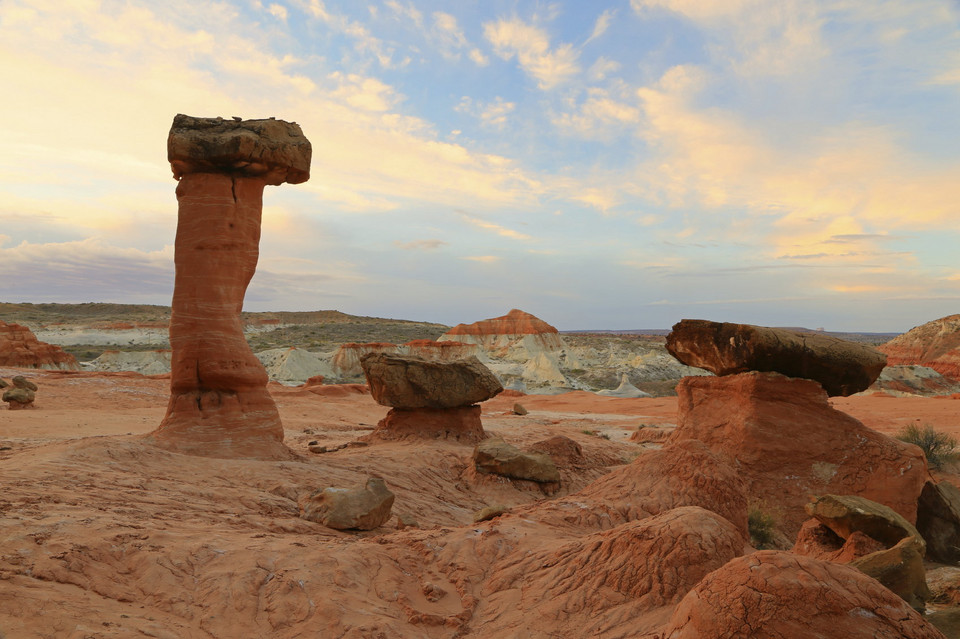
(20, 348)
(841, 367)
(900, 569)
(778, 594)
(938, 520)
(788, 442)
(404, 381)
(846, 514)
(562, 450)
(362, 508)
(19, 381)
(498, 457)
(817, 541)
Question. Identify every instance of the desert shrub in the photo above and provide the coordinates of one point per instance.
(762, 527)
(937, 446)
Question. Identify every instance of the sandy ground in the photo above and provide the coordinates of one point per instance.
(105, 536)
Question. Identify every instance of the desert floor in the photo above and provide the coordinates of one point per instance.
(103, 535)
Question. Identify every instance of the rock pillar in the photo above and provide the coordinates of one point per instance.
(219, 405)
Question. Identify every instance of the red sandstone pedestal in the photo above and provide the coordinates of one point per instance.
(219, 405)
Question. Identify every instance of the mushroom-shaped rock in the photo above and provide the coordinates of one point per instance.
(219, 405)
(362, 508)
(778, 594)
(900, 569)
(841, 367)
(19, 381)
(19, 398)
(500, 458)
(846, 514)
(407, 381)
(788, 442)
(461, 424)
(938, 520)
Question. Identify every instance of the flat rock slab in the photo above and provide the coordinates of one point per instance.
(846, 514)
(498, 457)
(271, 148)
(938, 520)
(407, 381)
(841, 367)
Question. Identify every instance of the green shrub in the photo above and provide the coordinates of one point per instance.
(938, 447)
(762, 527)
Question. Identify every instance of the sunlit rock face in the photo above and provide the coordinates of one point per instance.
(219, 405)
(20, 348)
(935, 344)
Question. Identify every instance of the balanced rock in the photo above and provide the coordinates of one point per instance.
(847, 514)
(841, 367)
(778, 594)
(19, 398)
(935, 344)
(498, 457)
(900, 569)
(363, 508)
(938, 520)
(219, 405)
(788, 442)
(20, 348)
(405, 381)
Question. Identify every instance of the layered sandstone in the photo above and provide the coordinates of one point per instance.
(20, 348)
(779, 594)
(219, 405)
(841, 367)
(935, 344)
(788, 443)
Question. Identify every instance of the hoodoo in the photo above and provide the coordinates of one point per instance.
(219, 405)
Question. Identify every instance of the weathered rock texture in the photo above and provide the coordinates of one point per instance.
(841, 367)
(788, 442)
(19, 398)
(779, 594)
(362, 508)
(405, 381)
(900, 569)
(461, 424)
(935, 344)
(938, 520)
(817, 541)
(20, 348)
(218, 404)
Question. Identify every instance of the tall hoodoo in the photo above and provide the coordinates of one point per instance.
(219, 405)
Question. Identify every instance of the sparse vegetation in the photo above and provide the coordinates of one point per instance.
(938, 447)
(762, 527)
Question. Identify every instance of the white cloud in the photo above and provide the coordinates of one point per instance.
(479, 58)
(599, 116)
(531, 46)
(278, 11)
(368, 94)
(492, 114)
(406, 10)
(602, 68)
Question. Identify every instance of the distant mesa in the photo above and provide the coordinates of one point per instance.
(516, 322)
(20, 348)
(935, 345)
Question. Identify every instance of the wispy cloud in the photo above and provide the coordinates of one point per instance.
(492, 113)
(421, 245)
(484, 259)
(496, 228)
(602, 24)
(550, 67)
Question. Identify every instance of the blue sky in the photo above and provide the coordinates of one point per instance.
(599, 164)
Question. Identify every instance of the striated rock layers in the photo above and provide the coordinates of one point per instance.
(841, 367)
(20, 348)
(429, 398)
(935, 344)
(788, 442)
(219, 405)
